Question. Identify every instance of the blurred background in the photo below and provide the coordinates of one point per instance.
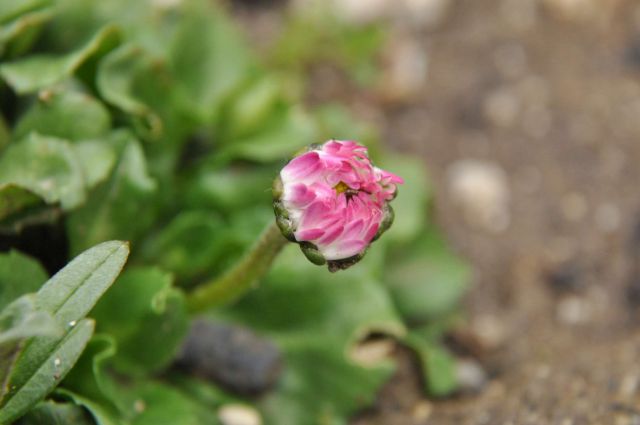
(526, 114)
(508, 290)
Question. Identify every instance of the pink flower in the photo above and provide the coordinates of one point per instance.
(334, 202)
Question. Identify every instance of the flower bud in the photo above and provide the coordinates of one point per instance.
(332, 201)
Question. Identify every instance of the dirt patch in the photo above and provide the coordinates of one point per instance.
(553, 99)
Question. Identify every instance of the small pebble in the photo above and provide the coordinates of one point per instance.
(502, 107)
(566, 277)
(629, 385)
(238, 414)
(489, 330)
(481, 191)
(232, 356)
(406, 68)
(362, 11)
(422, 410)
(424, 14)
(471, 376)
(573, 310)
(571, 9)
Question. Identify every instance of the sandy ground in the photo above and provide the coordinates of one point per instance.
(550, 97)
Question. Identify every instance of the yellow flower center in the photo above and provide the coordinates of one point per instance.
(341, 187)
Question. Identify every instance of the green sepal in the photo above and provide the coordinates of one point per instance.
(345, 263)
(277, 188)
(312, 253)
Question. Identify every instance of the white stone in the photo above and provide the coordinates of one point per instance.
(238, 414)
(502, 107)
(573, 310)
(470, 375)
(480, 189)
(406, 68)
(424, 13)
(362, 11)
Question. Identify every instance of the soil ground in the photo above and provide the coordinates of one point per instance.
(557, 290)
(548, 92)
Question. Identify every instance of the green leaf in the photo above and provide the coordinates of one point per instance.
(229, 189)
(68, 296)
(190, 244)
(316, 317)
(97, 158)
(18, 321)
(426, 279)
(54, 413)
(209, 56)
(13, 9)
(19, 275)
(254, 105)
(320, 386)
(89, 385)
(438, 366)
(73, 291)
(119, 208)
(37, 72)
(288, 130)
(201, 391)
(45, 166)
(5, 133)
(164, 405)
(146, 316)
(15, 199)
(21, 320)
(66, 114)
(44, 373)
(17, 36)
(121, 76)
(102, 415)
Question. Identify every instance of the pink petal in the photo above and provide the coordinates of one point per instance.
(314, 215)
(332, 147)
(340, 224)
(371, 232)
(302, 166)
(331, 235)
(390, 177)
(308, 234)
(345, 249)
(300, 195)
(353, 229)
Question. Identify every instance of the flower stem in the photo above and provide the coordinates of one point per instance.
(242, 276)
